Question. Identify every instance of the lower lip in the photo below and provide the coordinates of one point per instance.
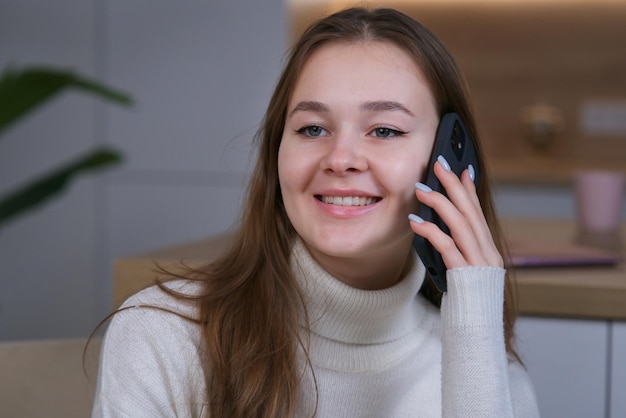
(339, 211)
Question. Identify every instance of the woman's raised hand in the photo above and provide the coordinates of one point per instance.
(470, 242)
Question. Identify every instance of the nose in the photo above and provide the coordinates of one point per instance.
(345, 155)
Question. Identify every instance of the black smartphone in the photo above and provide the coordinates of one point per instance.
(454, 143)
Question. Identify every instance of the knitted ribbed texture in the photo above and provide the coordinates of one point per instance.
(340, 312)
(475, 297)
(473, 341)
(353, 329)
(374, 353)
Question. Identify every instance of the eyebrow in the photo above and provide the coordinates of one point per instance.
(309, 106)
(376, 106)
(385, 106)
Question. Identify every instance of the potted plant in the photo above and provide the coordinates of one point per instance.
(22, 91)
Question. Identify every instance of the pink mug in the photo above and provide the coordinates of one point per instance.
(599, 201)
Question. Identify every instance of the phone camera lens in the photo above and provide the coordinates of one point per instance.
(457, 140)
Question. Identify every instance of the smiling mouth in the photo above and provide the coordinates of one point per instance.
(348, 200)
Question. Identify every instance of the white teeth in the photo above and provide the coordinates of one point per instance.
(348, 200)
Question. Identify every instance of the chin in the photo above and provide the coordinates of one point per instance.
(345, 247)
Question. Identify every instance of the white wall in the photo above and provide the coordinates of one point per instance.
(201, 73)
(48, 259)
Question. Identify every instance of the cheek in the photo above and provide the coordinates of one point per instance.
(400, 178)
(407, 170)
(297, 164)
(292, 171)
(284, 171)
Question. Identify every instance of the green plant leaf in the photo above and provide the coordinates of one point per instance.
(21, 91)
(44, 188)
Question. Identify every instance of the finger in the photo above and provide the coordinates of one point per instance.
(483, 233)
(467, 179)
(480, 225)
(464, 217)
(442, 242)
(462, 195)
(459, 249)
(457, 211)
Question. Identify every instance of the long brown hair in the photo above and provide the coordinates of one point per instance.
(250, 307)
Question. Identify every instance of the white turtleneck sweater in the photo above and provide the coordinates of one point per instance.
(384, 353)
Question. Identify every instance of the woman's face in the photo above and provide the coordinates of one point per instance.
(358, 134)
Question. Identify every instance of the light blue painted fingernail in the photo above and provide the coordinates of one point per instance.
(444, 163)
(423, 187)
(471, 172)
(416, 219)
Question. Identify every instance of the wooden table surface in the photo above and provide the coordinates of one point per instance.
(580, 292)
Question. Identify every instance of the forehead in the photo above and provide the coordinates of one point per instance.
(375, 68)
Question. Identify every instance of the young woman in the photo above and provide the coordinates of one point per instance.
(322, 307)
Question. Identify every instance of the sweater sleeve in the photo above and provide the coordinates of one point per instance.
(149, 365)
(478, 378)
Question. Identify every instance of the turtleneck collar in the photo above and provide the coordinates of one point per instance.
(345, 314)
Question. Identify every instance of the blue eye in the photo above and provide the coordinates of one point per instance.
(312, 131)
(386, 133)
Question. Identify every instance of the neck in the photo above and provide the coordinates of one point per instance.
(376, 271)
(341, 312)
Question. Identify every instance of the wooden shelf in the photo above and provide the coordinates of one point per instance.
(544, 170)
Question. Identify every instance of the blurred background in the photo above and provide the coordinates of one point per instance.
(201, 73)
